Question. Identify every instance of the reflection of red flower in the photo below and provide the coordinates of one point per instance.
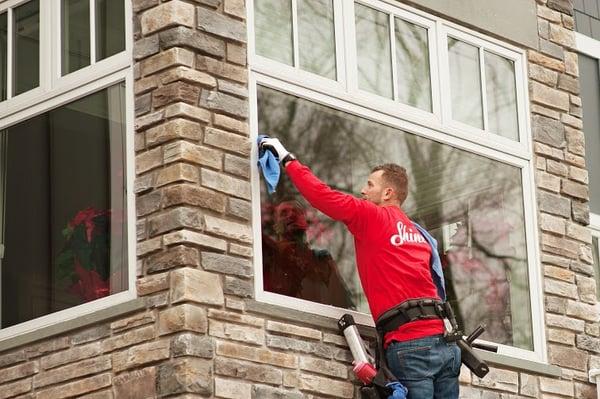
(86, 217)
(85, 257)
(90, 285)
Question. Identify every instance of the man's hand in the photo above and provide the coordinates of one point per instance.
(276, 146)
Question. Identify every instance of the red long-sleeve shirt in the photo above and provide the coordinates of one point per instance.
(392, 257)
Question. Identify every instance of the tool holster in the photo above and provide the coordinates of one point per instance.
(430, 308)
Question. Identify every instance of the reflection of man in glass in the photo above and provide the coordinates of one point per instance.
(393, 261)
(292, 268)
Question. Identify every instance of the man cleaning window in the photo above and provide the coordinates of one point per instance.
(394, 260)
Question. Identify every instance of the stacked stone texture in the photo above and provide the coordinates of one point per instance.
(198, 336)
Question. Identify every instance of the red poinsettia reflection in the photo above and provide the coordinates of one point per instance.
(90, 285)
(86, 216)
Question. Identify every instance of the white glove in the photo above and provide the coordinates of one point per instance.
(276, 146)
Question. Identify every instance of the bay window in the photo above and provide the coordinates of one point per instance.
(447, 104)
(65, 160)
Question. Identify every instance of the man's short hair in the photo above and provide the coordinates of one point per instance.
(395, 175)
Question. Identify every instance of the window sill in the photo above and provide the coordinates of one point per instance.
(72, 324)
(515, 363)
(494, 359)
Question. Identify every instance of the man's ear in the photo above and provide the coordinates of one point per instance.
(388, 193)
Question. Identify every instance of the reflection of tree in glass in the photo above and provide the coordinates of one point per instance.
(373, 51)
(481, 197)
(316, 37)
(486, 270)
(412, 65)
(465, 78)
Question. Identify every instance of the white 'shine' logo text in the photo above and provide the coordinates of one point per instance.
(405, 235)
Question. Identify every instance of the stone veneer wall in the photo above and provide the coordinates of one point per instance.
(202, 334)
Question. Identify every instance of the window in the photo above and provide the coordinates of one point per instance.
(398, 102)
(299, 33)
(82, 46)
(65, 233)
(589, 75)
(21, 66)
(488, 103)
(64, 228)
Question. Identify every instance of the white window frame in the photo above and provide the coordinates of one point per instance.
(435, 127)
(522, 146)
(55, 92)
(392, 106)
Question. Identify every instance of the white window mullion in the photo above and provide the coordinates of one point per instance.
(435, 62)
(338, 28)
(295, 40)
(46, 42)
(444, 74)
(92, 32)
(56, 38)
(350, 48)
(393, 57)
(9, 55)
(483, 88)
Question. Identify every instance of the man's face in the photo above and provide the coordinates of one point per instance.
(375, 188)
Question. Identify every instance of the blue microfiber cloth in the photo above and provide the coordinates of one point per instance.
(268, 165)
(399, 391)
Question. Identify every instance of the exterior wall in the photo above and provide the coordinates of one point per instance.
(512, 20)
(587, 17)
(201, 333)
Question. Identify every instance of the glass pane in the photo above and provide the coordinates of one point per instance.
(26, 52)
(316, 37)
(501, 91)
(412, 65)
(110, 28)
(590, 98)
(273, 26)
(465, 83)
(479, 222)
(595, 250)
(64, 245)
(3, 55)
(75, 30)
(373, 53)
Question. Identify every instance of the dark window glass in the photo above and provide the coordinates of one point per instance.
(3, 55)
(75, 35)
(478, 221)
(64, 207)
(110, 28)
(26, 51)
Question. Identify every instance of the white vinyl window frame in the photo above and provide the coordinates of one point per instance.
(54, 93)
(346, 86)
(281, 69)
(521, 147)
(393, 106)
(436, 127)
(52, 83)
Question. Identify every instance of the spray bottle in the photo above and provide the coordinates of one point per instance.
(363, 368)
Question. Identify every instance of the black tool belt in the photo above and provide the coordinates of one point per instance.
(412, 310)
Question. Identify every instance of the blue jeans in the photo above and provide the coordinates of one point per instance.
(428, 367)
